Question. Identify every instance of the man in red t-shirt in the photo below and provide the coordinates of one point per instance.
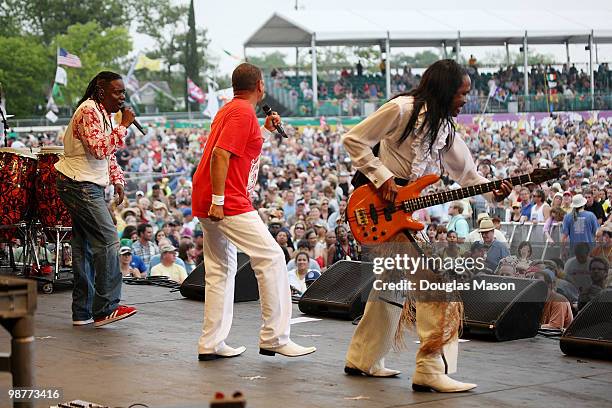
(222, 187)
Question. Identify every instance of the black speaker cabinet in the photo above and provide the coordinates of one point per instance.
(341, 291)
(245, 289)
(510, 312)
(590, 334)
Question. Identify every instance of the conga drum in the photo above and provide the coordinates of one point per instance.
(17, 173)
(50, 209)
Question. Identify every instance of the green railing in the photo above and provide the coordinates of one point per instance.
(532, 103)
(363, 107)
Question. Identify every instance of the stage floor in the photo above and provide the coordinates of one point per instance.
(151, 358)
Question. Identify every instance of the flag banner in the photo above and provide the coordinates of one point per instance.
(2, 99)
(57, 95)
(212, 106)
(232, 55)
(51, 116)
(61, 76)
(68, 59)
(145, 62)
(195, 92)
(131, 83)
(51, 104)
(492, 89)
(225, 95)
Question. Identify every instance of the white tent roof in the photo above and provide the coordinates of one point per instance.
(429, 28)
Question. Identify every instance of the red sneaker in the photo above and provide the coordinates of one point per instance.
(120, 313)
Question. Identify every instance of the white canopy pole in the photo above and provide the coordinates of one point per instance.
(526, 68)
(458, 47)
(388, 65)
(315, 86)
(444, 54)
(507, 53)
(592, 70)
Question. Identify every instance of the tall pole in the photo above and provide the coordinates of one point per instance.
(526, 67)
(315, 86)
(507, 54)
(458, 47)
(388, 65)
(444, 53)
(592, 70)
(567, 53)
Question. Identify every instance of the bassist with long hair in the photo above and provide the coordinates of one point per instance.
(410, 136)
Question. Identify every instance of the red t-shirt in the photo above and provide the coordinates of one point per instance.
(235, 129)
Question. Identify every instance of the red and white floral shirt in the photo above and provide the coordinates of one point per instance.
(91, 131)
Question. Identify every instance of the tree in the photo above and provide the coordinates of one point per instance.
(419, 60)
(49, 18)
(498, 58)
(192, 67)
(166, 24)
(267, 61)
(25, 75)
(11, 16)
(98, 49)
(534, 58)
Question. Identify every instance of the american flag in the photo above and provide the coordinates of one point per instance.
(68, 59)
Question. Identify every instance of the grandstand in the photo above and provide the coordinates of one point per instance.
(441, 29)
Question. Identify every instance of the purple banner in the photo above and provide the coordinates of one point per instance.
(514, 119)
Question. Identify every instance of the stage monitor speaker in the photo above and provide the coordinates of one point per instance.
(590, 334)
(341, 291)
(245, 289)
(510, 309)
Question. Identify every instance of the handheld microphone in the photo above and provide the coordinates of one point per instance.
(268, 111)
(135, 122)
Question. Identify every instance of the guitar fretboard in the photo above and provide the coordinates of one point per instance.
(431, 200)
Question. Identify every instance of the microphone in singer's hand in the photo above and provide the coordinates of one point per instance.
(135, 122)
(268, 111)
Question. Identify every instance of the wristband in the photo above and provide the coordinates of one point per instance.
(218, 199)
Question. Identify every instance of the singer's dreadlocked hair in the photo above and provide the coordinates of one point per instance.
(96, 84)
(436, 91)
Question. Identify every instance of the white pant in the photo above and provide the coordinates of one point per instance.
(247, 232)
(375, 335)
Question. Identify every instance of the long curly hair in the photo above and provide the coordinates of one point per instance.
(436, 91)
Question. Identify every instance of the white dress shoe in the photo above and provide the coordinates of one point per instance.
(381, 372)
(288, 350)
(224, 352)
(82, 322)
(438, 382)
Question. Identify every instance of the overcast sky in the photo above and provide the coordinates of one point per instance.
(231, 22)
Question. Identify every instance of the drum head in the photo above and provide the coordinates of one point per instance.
(19, 152)
(51, 150)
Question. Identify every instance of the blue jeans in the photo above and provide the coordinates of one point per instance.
(95, 250)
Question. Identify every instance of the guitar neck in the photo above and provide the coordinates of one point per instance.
(431, 200)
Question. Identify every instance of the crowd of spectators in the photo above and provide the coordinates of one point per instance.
(551, 88)
(304, 183)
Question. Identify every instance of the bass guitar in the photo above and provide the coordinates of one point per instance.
(374, 220)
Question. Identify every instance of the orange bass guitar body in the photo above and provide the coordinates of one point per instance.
(374, 221)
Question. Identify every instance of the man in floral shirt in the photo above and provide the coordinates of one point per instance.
(88, 166)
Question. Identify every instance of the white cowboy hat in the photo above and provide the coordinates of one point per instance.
(578, 201)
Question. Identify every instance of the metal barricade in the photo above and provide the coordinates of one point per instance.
(517, 232)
